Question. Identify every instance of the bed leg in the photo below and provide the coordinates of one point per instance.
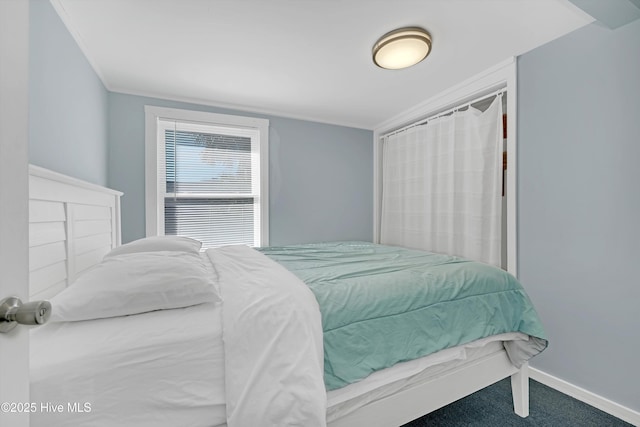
(520, 391)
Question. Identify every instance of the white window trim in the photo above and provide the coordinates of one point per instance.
(154, 218)
(503, 75)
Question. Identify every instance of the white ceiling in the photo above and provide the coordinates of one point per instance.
(308, 59)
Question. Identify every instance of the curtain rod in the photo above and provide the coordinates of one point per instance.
(444, 113)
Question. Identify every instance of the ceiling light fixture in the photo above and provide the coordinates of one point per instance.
(401, 48)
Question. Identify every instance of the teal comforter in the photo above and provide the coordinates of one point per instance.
(382, 305)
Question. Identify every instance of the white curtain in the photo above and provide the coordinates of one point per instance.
(442, 185)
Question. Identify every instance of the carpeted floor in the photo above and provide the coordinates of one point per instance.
(493, 406)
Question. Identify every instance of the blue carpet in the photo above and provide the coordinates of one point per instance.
(493, 406)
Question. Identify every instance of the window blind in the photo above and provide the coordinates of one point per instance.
(211, 182)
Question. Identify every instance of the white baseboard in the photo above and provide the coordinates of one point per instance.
(599, 402)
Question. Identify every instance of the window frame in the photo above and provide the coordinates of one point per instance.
(154, 191)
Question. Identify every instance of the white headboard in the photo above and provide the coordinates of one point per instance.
(72, 225)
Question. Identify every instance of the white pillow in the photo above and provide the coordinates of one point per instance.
(137, 283)
(158, 243)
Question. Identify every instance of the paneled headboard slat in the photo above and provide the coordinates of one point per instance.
(72, 225)
(93, 242)
(44, 255)
(41, 211)
(46, 232)
(42, 279)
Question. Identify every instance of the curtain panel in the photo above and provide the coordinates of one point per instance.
(442, 185)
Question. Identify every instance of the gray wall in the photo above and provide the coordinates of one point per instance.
(579, 205)
(67, 101)
(321, 176)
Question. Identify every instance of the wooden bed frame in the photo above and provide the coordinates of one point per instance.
(410, 404)
(72, 224)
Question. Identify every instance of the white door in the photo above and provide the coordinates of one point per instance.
(14, 208)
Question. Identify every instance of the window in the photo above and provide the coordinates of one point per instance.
(207, 176)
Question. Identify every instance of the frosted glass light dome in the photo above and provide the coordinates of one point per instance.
(402, 48)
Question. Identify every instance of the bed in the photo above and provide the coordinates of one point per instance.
(251, 347)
